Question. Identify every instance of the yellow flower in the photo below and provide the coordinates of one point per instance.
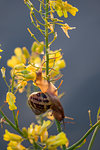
(55, 63)
(59, 65)
(44, 126)
(0, 51)
(44, 136)
(13, 61)
(15, 146)
(54, 57)
(17, 59)
(20, 66)
(62, 8)
(19, 54)
(30, 68)
(72, 10)
(10, 99)
(25, 73)
(34, 46)
(21, 85)
(12, 137)
(37, 47)
(26, 53)
(66, 27)
(29, 73)
(35, 60)
(36, 50)
(3, 72)
(30, 76)
(55, 141)
(34, 132)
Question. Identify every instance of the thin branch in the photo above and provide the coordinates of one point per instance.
(85, 136)
(93, 137)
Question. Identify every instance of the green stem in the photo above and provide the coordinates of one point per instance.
(93, 137)
(41, 119)
(59, 130)
(58, 126)
(6, 83)
(10, 123)
(84, 137)
(47, 59)
(16, 122)
(12, 86)
(46, 39)
(36, 146)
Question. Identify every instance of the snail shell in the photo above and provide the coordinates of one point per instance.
(40, 102)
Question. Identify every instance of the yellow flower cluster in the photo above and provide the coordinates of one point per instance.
(62, 8)
(22, 55)
(35, 133)
(17, 62)
(54, 141)
(14, 141)
(36, 50)
(24, 73)
(56, 63)
(17, 59)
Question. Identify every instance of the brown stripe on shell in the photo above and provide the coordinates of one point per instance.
(39, 102)
(39, 106)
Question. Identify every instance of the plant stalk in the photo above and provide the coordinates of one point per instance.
(10, 123)
(84, 137)
(16, 122)
(47, 59)
(93, 137)
(59, 130)
(46, 39)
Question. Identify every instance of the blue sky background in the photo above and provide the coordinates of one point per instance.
(81, 52)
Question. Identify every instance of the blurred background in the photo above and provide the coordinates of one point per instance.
(81, 75)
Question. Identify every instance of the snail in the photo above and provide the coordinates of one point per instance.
(46, 99)
(40, 102)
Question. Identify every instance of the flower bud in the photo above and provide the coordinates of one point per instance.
(19, 67)
(12, 137)
(40, 48)
(30, 76)
(44, 136)
(25, 52)
(25, 132)
(3, 70)
(34, 46)
(58, 140)
(44, 126)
